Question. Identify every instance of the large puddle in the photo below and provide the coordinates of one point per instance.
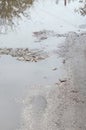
(15, 79)
(19, 23)
(42, 25)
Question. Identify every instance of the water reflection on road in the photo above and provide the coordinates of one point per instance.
(50, 21)
(43, 15)
(10, 9)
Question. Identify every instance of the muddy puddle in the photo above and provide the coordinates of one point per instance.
(15, 79)
(31, 33)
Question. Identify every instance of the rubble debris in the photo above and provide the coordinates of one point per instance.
(25, 54)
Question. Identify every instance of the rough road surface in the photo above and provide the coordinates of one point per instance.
(62, 106)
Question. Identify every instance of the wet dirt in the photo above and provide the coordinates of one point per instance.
(36, 33)
(24, 54)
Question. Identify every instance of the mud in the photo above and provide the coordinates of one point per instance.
(45, 34)
(24, 54)
(47, 90)
(64, 103)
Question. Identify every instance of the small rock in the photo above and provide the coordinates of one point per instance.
(74, 91)
(62, 81)
(20, 58)
(64, 61)
(54, 69)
